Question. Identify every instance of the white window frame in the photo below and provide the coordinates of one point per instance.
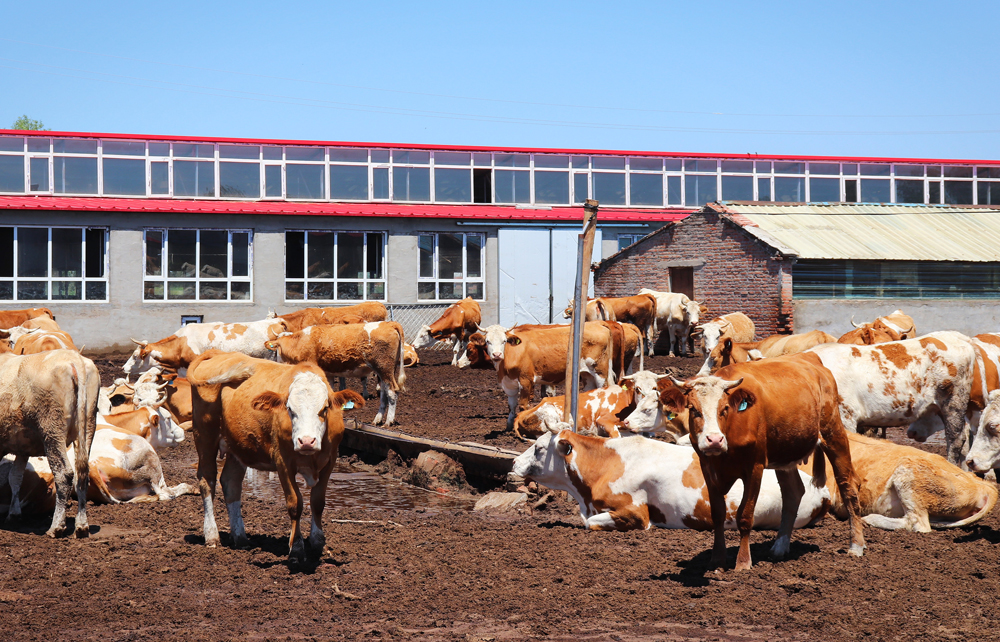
(198, 279)
(49, 279)
(465, 280)
(306, 280)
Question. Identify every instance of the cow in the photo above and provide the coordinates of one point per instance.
(47, 402)
(639, 310)
(410, 356)
(637, 483)
(903, 488)
(736, 326)
(657, 413)
(180, 349)
(12, 318)
(676, 315)
(769, 414)
(729, 351)
(985, 451)
(902, 382)
(530, 354)
(25, 340)
(352, 351)
(476, 355)
(892, 327)
(600, 411)
(43, 322)
(359, 313)
(457, 323)
(274, 417)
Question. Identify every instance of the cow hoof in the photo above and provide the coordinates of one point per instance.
(857, 550)
(317, 543)
(82, 532)
(298, 552)
(241, 541)
(12, 519)
(212, 543)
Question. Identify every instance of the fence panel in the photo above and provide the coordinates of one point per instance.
(413, 316)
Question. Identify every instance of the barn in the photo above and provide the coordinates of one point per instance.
(796, 267)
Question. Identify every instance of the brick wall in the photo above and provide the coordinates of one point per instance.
(733, 272)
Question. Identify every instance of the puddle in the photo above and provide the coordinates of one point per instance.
(350, 488)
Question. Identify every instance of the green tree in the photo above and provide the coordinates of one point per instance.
(27, 123)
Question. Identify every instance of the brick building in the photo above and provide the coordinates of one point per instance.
(797, 267)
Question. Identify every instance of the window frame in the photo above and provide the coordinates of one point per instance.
(198, 279)
(49, 278)
(306, 280)
(465, 280)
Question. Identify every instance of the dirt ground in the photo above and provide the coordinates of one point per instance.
(431, 574)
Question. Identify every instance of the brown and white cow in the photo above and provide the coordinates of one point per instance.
(363, 312)
(24, 340)
(352, 351)
(637, 483)
(179, 349)
(530, 354)
(729, 351)
(13, 318)
(601, 411)
(49, 401)
(902, 382)
(903, 488)
(892, 327)
(735, 325)
(676, 315)
(274, 417)
(639, 310)
(769, 414)
(457, 323)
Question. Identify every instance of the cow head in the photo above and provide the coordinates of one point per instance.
(548, 460)
(165, 432)
(985, 451)
(475, 352)
(568, 312)
(141, 359)
(424, 338)
(308, 403)
(13, 334)
(711, 403)
(692, 312)
(647, 416)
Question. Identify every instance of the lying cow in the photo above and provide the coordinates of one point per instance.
(902, 382)
(50, 402)
(601, 411)
(903, 488)
(769, 414)
(729, 351)
(676, 315)
(25, 340)
(736, 326)
(12, 318)
(636, 483)
(359, 313)
(892, 327)
(352, 351)
(639, 310)
(181, 348)
(457, 323)
(274, 417)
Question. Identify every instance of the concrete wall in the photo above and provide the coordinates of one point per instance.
(969, 316)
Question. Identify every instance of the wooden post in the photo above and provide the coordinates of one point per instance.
(585, 250)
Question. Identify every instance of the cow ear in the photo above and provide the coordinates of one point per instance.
(727, 347)
(741, 399)
(267, 401)
(672, 398)
(564, 447)
(514, 341)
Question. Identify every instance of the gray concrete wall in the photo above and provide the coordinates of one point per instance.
(969, 316)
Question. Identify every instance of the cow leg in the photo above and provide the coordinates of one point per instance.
(364, 387)
(55, 452)
(208, 448)
(456, 349)
(956, 432)
(717, 503)
(387, 405)
(837, 448)
(293, 504)
(744, 516)
(792, 491)
(14, 479)
(342, 383)
(317, 502)
(233, 473)
(915, 517)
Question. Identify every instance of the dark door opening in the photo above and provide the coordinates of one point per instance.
(851, 191)
(682, 280)
(482, 187)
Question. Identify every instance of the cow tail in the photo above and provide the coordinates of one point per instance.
(819, 468)
(85, 418)
(991, 501)
(400, 370)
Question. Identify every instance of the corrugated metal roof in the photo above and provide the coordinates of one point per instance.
(498, 213)
(874, 232)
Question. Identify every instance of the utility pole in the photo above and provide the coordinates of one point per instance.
(585, 250)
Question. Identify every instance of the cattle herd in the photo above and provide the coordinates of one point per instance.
(768, 433)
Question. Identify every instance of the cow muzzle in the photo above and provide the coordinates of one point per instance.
(306, 445)
(916, 436)
(712, 444)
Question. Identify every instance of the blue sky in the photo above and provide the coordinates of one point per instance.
(907, 79)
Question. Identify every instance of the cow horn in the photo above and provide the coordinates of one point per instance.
(727, 385)
(855, 324)
(680, 383)
(139, 343)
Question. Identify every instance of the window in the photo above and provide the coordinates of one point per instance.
(789, 189)
(198, 265)
(824, 190)
(909, 191)
(815, 279)
(624, 240)
(609, 189)
(334, 266)
(512, 186)
(53, 264)
(451, 266)
(737, 188)
(646, 189)
(552, 188)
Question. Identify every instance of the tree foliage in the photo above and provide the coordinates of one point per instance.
(28, 123)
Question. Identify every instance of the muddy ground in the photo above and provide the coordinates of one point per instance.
(431, 574)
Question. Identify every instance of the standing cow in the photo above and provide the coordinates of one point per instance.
(457, 323)
(47, 402)
(358, 313)
(639, 310)
(274, 417)
(676, 315)
(769, 414)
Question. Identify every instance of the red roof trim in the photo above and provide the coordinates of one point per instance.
(472, 148)
(486, 213)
